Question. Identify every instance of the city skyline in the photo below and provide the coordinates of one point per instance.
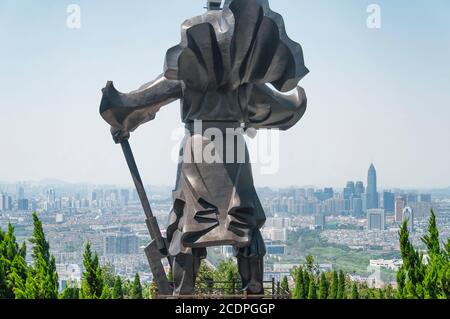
(56, 182)
(370, 179)
(355, 199)
(111, 219)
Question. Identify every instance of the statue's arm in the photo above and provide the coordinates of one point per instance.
(269, 108)
(127, 111)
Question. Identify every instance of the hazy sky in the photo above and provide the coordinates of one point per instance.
(379, 96)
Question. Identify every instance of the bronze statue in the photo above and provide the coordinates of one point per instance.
(220, 71)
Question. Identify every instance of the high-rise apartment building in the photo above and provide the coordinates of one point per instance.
(372, 193)
(121, 244)
(389, 202)
(359, 189)
(376, 219)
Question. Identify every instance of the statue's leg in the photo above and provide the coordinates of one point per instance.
(251, 270)
(251, 265)
(185, 271)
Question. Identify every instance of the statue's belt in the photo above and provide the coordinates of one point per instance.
(199, 127)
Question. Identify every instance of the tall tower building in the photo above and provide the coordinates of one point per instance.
(372, 193)
(51, 196)
(20, 192)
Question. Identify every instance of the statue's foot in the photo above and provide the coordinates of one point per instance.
(254, 288)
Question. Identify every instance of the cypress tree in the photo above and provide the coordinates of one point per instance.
(18, 277)
(146, 293)
(92, 282)
(3, 273)
(445, 272)
(106, 292)
(431, 239)
(13, 269)
(205, 278)
(11, 248)
(306, 283)
(416, 279)
(108, 275)
(226, 272)
(310, 267)
(117, 292)
(126, 288)
(355, 293)
(154, 290)
(334, 286)
(285, 286)
(412, 265)
(136, 289)
(228, 279)
(389, 292)
(70, 292)
(447, 249)
(435, 260)
(341, 285)
(381, 294)
(42, 283)
(323, 287)
(401, 282)
(445, 281)
(3, 286)
(299, 284)
(312, 292)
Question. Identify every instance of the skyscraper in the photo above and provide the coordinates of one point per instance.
(357, 206)
(389, 202)
(121, 244)
(20, 192)
(372, 194)
(329, 192)
(124, 197)
(7, 202)
(23, 204)
(351, 185)
(349, 192)
(376, 219)
(2, 201)
(359, 188)
(51, 195)
(412, 198)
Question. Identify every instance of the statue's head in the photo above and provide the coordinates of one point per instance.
(213, 4)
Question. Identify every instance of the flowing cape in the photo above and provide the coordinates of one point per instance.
(244, 43)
